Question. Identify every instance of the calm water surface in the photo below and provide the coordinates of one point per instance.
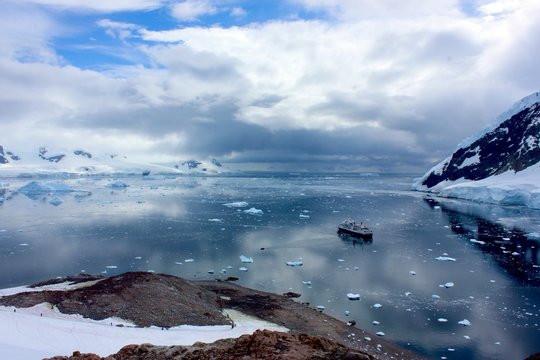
(181, 226)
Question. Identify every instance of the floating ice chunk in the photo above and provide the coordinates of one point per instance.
(211, 272)
(111, 267)
(356, 268)
(466, 337)
(380, 333)
(56, 201)
(237, 204)
(533, 236)
(408, 293)
(464, 322)
(23, 244)
(178, 262)
(246, 259)
(375, 322)
(189, 260)
(449, 284)
(445, 258)
(138, 257)
(437, 207)
(443, 320)
(506, 238)
(477, 241)
(215, 220)
(38, 187)
(515, 253)
(243, 268)
(352, 296)
(434, 296)
(295, 263)
(321, 307)
(341, 260)
(308, 283)
(254, 211)
(302, 216)
(367, 338)
(347, 313)
(376, 306)
(412, 272)
(118, 185)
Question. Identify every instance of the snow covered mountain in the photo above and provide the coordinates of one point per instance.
(498, 165)
(41, 162)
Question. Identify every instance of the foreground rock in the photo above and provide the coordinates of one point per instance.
(163, 300)
(262, 344)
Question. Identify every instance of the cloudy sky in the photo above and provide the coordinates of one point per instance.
(371, 85)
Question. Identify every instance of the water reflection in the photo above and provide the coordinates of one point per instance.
(513, 248)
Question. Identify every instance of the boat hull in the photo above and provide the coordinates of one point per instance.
(357, 234)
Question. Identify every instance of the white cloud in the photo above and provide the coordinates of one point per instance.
(238, 12)
(191, 10)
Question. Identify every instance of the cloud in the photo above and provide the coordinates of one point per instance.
(95, 5)
(378, 87)
(191, 10)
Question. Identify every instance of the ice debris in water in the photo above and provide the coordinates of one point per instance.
(243, 268)
(308, 283)
(347, 313)
(215, 220)
(118, 185)
(442, 320)
(408, 293)
(56, 201)
(412, 272)
(236, 204)
(434, 296)
(380, 333)
(321, 307)
(189, 260)
(246, 259)
(376, 306)
(375, 322)
(38, 187)
(302, 216)
(464, 322)
(352, 296)
(477, 241)
(449, 284)
(533, 236)
(111, 267)
(444, 258)
(298, 262)
(254, 211)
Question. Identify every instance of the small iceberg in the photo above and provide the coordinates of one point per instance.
(449, 285)
(246, 259)
(464, 322)
(237, 204)
(254, 211)
(377, 306)
(295, 263)
(56, 201)
(39, 188)
(445, 258)
(380, 333)
(321, 307)
(352, 296)
(302, 216)
(243, 268)
(443, 320)
(118, 185)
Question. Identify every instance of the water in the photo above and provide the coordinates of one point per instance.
(161, 225)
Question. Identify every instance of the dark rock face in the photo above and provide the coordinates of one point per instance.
(13, 156)
(217, 163)
(192, 164)
(512, 145)
(55, 158)
(82, 153)
(3, 159)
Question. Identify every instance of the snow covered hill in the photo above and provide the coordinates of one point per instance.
(42, 161)
(499, 165)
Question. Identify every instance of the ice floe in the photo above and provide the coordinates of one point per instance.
(236, 204)
(118, 185)
(254, 211)
(444, 258)
(464, 322)
(246, 259)
(376, 306)
(443, 320)
(243, 268)
(352, 296)
(298, 262)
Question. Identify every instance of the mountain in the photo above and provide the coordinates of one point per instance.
(43, 162)
(500, 165)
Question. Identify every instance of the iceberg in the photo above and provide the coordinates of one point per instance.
(246, 259)
(118, 185)
(39, 188)
(352, 296)
(444, 258)
(56, 201)
(254, 211)
(295, 263)
(237, 204)
(464, 322)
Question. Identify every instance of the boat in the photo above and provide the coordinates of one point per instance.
(351, 228)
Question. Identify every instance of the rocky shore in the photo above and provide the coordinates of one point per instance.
(148, 299)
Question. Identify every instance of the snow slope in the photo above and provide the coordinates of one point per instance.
(499, 165)
(42, 331)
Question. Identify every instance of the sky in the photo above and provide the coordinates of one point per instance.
(329, 85)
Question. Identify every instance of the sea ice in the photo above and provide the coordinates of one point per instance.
(375, 322)
(243, 268)
(254, 211)
(464, 322)
(442, 320)
(308, 283)
(215, 220)
(380, 333)
(302, 216)
(38, 187)
(111, 267)
(189, 260)
(246, 259)
(321, 307)
(449, 284)
(412, 272)
(376, 306)
(434, 296)
(352, 296)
